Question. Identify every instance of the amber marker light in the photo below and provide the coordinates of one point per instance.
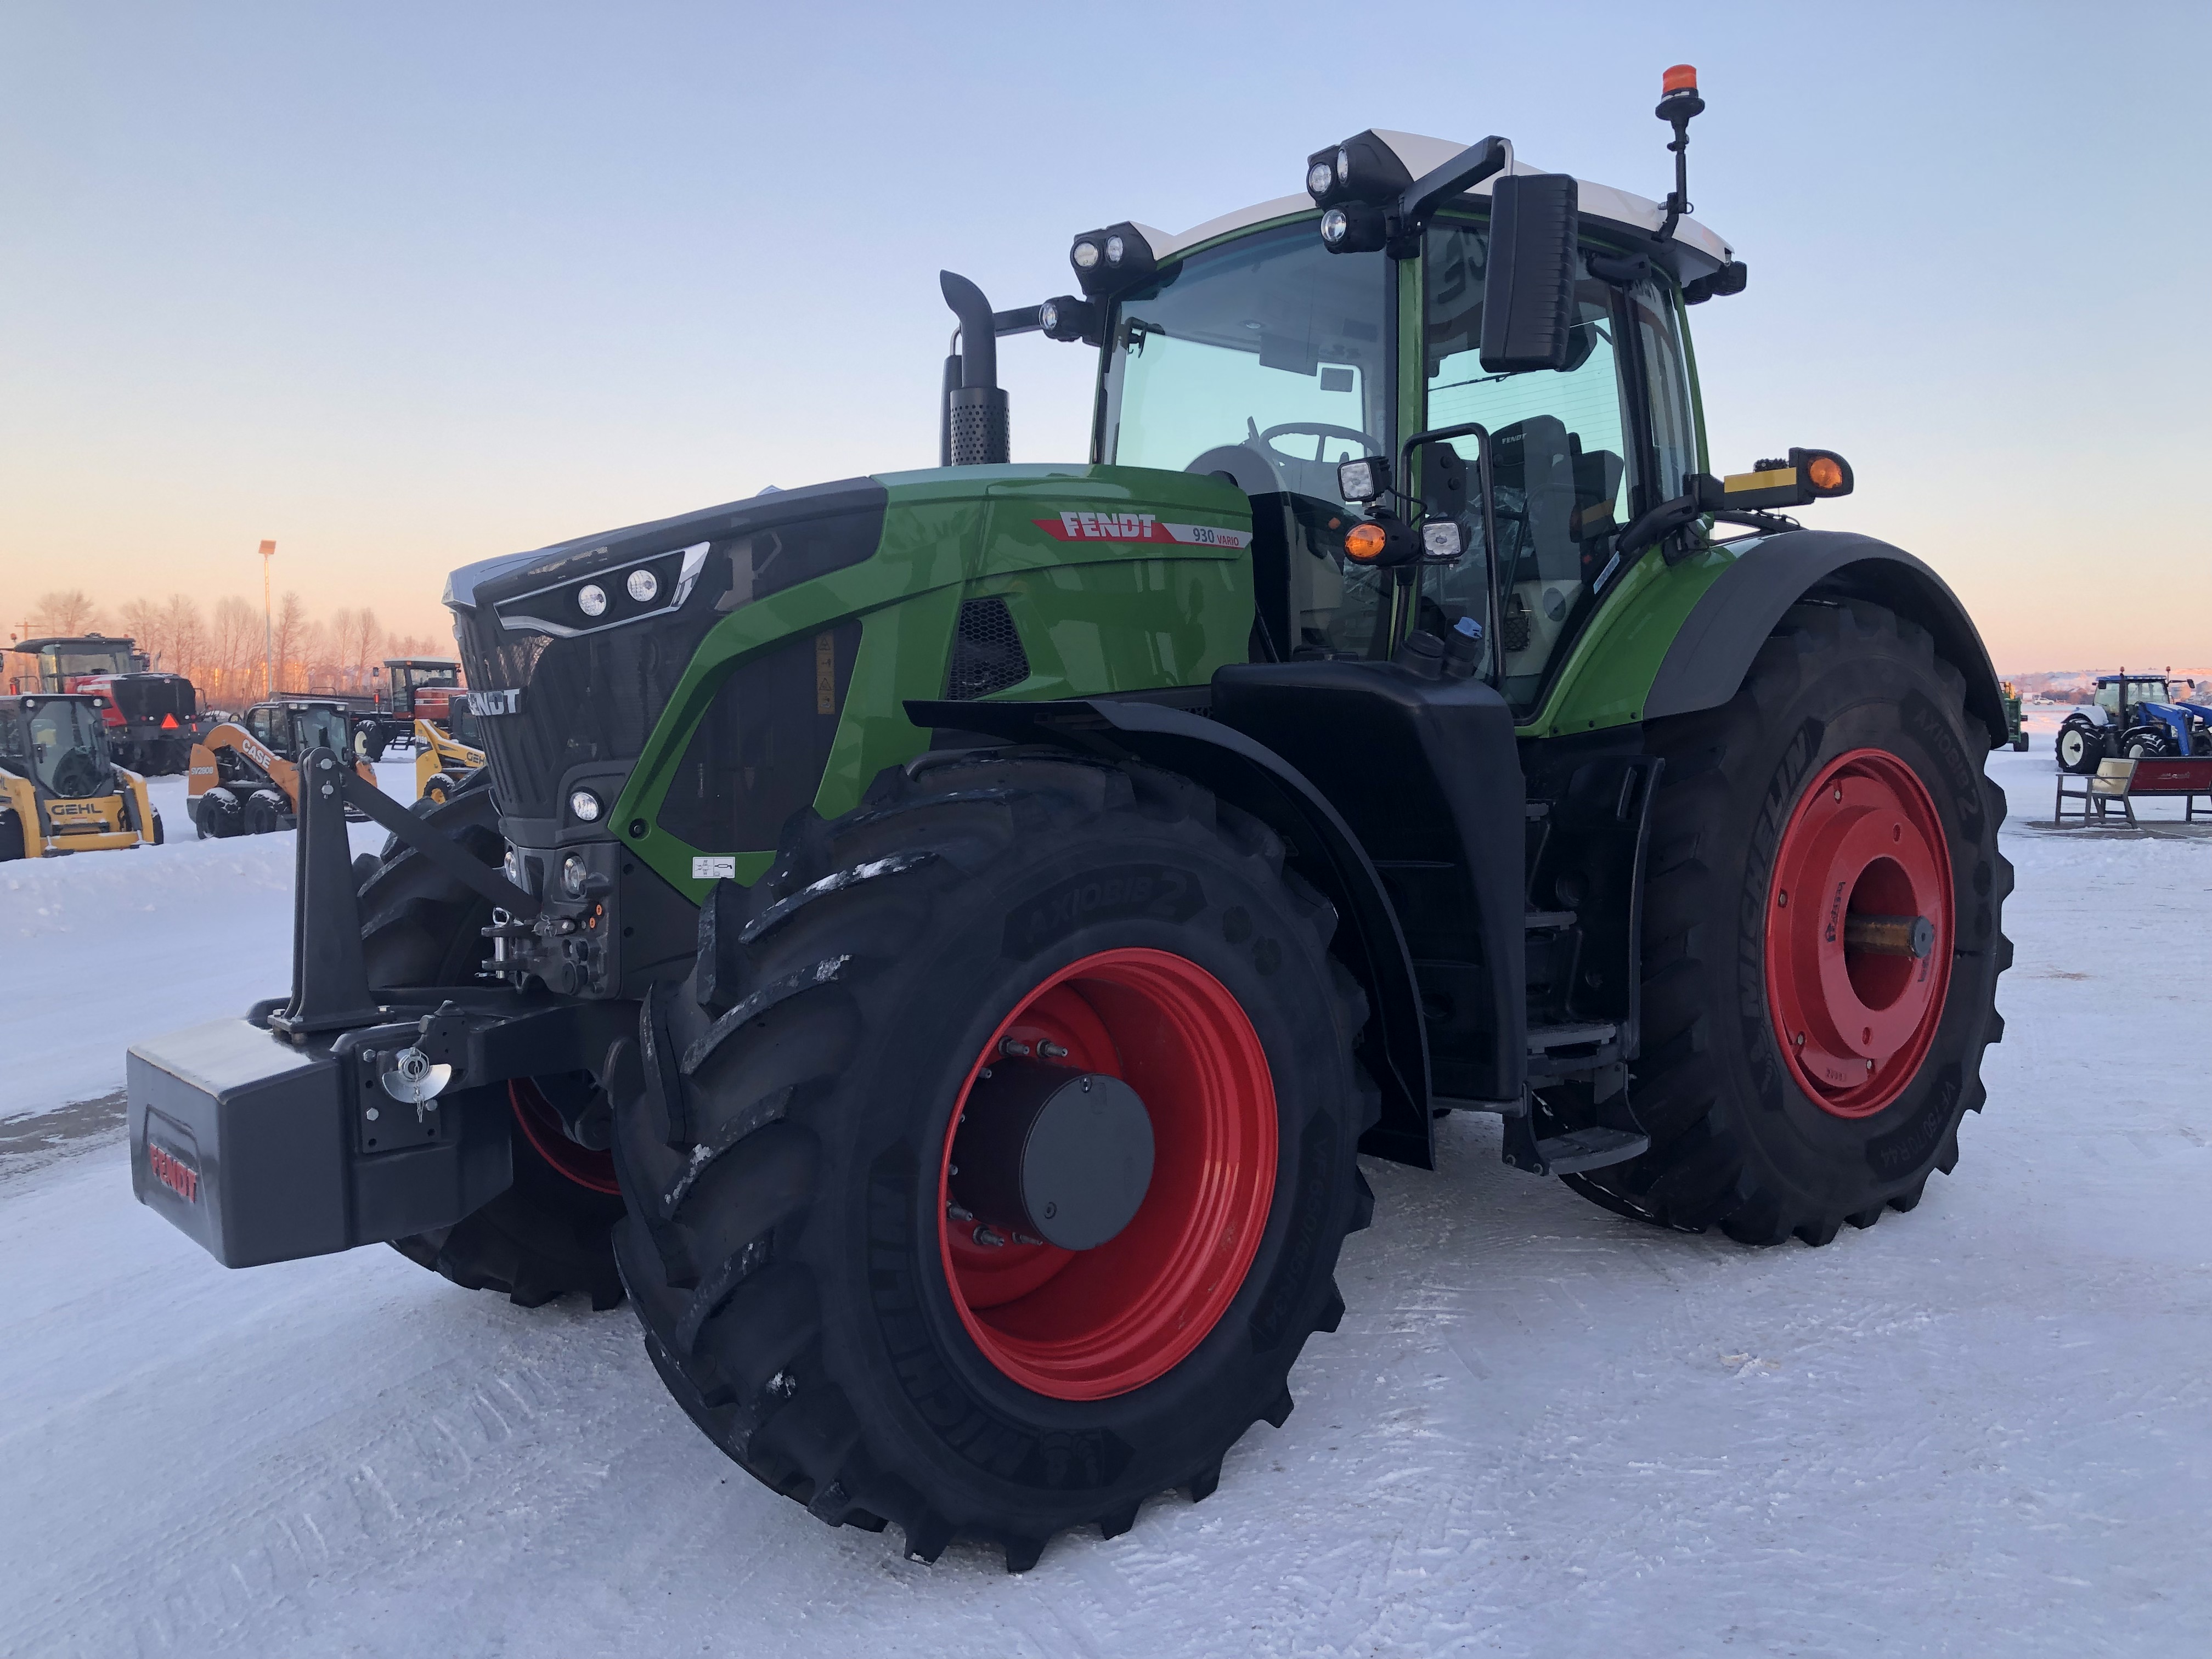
(1825, 474)
(1683, 77)
(1364, 542)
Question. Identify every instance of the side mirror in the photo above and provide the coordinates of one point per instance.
(1807, 476)
(1529, 287)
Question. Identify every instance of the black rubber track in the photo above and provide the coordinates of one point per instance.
(544, 1235)
(780, 1249)
(1734, 1144)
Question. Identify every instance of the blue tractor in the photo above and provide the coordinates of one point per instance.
(2135, 717)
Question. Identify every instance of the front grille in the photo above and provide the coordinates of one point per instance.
(987, 651)
(595, 696)
(590, 699)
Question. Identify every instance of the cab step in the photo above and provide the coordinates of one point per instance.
(1542, 1039)
(1570, 1153)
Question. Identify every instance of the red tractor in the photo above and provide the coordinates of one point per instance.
(152, 719)
(415, 688)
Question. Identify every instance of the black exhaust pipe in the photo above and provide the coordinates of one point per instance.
(973, 432)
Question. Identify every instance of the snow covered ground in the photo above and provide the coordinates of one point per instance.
(1984, 1428)
(98, 949)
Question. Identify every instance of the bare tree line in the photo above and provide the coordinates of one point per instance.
(220, 649)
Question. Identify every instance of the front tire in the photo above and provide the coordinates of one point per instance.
(1791, 1081)
(2148, 743)
(811, 1292)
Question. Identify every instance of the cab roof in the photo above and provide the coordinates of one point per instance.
(63, 640)
(1698, 251)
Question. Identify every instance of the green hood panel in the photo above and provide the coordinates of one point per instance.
(1117, 579)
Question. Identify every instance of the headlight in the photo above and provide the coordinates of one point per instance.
(1334, 226)
(1442, 539)
(1319, 176)
(591, 600)
(1115, 247)
(575, 872)
(1086, 255)
(585, 805)
(1343, 167)
(642, 585)
(1364, 479)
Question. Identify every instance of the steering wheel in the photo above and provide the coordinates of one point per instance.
(1322, 431)
(76, 772)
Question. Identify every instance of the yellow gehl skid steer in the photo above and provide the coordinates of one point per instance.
(442, 760)
(59, 792)
(246, 773)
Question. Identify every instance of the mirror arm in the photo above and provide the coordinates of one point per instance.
(1656, 524)
(1462, 172)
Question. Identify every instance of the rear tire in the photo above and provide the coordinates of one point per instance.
(2079, 746)
(787, 1248)
(11, 837)
(1743, 1136)
(551, 1233)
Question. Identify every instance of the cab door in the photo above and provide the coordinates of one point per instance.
(1576, 453)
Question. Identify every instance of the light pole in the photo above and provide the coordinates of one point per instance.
(268, 628)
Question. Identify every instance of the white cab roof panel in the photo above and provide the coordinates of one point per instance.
(1420, 154)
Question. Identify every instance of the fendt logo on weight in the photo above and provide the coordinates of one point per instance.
(173, 1172)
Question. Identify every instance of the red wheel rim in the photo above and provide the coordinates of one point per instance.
(542, 1125)
(1863, 840)
(1084, 1325)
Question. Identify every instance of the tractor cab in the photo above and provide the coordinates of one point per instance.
(2120, 695)
(60, 790)
(406, 677)
(1456, 391)
(63, 661)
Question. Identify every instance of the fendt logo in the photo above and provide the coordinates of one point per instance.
(1137, 527)
(495, 702)
(173, 1172)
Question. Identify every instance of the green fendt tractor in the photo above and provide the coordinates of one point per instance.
(938, 940)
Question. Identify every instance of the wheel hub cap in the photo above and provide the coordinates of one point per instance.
(1049, 1155)
(1859, 933)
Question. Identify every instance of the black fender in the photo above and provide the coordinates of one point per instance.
(1713, 650)
(1254, 778)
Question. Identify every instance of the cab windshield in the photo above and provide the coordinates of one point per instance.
(1267, 360)
(68, 749)
(86, 659)
(319, 728)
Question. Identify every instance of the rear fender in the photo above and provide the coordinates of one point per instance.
(1254, 778)
(1712, 651)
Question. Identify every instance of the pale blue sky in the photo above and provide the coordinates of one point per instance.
(401, 285)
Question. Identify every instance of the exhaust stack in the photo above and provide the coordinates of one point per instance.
(973, 432)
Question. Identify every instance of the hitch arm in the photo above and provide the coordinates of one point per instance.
(434, 845)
